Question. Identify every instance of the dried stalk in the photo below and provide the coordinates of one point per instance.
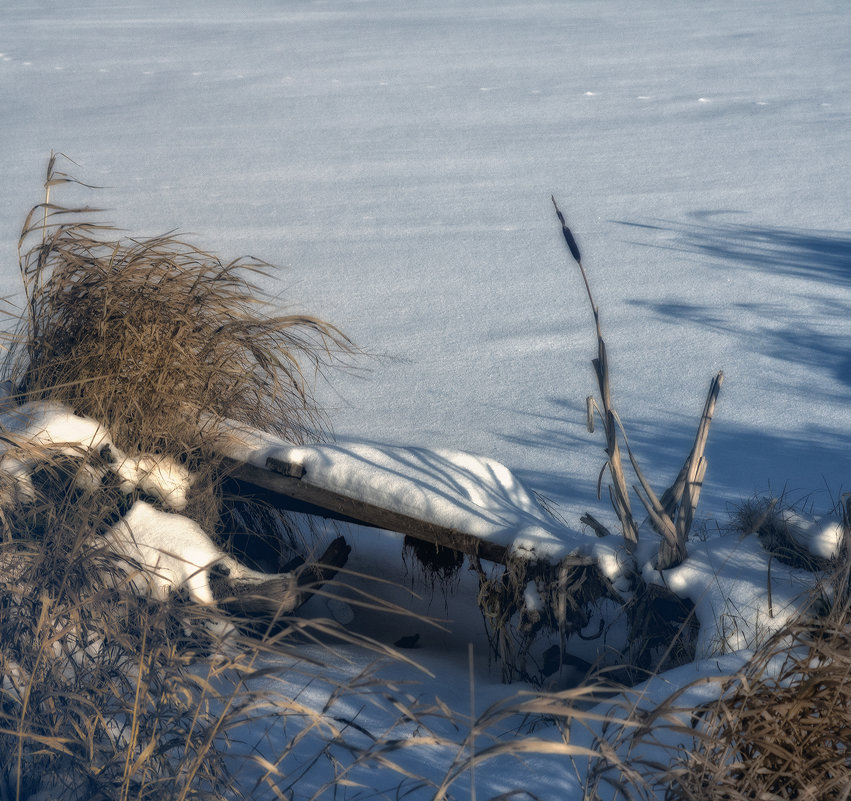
(618, 489)
(672, 514)
(685, 491)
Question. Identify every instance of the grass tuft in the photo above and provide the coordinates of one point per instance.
(144, 335)
(782, 730)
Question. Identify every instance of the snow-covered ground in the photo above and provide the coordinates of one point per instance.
(398, 159)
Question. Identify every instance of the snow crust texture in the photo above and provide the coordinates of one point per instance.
(472, 494)
(400, 159)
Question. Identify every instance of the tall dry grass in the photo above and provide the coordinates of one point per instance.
(782, 728)
(99, 699)
(778, 729)
(145, 334)
(158, 340)
(106, 694)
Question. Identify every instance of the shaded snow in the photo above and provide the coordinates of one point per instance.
(741, 595)
(353, 143)
(400, 158)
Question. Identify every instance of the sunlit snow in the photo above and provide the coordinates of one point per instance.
(398, 160)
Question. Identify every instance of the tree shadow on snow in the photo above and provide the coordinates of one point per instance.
(815, 255)
(787, 328)
(743, 460)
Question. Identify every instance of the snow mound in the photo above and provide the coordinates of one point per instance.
(821, 537)
(740, 599)
(53, 425)
(471, 494)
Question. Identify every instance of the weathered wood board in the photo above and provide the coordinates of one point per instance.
(296, 493)
(480, 510)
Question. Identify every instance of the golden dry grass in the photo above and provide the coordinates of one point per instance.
(145, 334)
(105, 694)
(158, 340)
(782, 730)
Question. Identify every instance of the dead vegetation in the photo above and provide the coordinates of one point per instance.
(106, 693)
(157, 338)
(774, 523)
(778, 728)
(145, 334)
(671, 515)
(98, 697)
(782, 728)
(531, 611)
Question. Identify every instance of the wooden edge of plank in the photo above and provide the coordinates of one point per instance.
(285, 468)
(287, 485)
(282, 481)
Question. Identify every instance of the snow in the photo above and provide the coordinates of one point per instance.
(42, 428)
(46, 427)
(165, 552)
(398, 160)
(740, 598)
(821, 537)
(53, 425)
(471, 494)
(158, 475)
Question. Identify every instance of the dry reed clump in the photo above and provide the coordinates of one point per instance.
(779, 730)
(105, 694)
(783, 728)
(769, 519)
(531, 611)
(151, 336)
(158, 340)
(144, 336)
(671, 514)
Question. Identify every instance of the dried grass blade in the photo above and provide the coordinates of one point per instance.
(691, 497)
(673, 495)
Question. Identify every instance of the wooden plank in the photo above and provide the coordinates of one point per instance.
(287, 485)
(283, 485)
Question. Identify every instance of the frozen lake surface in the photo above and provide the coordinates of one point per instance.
(398, 161)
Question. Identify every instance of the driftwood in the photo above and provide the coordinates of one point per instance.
(287, 486)
(455, 502)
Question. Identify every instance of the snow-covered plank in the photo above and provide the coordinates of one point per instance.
(452, 499)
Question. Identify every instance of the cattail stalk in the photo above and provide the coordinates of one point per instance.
(671, 515)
